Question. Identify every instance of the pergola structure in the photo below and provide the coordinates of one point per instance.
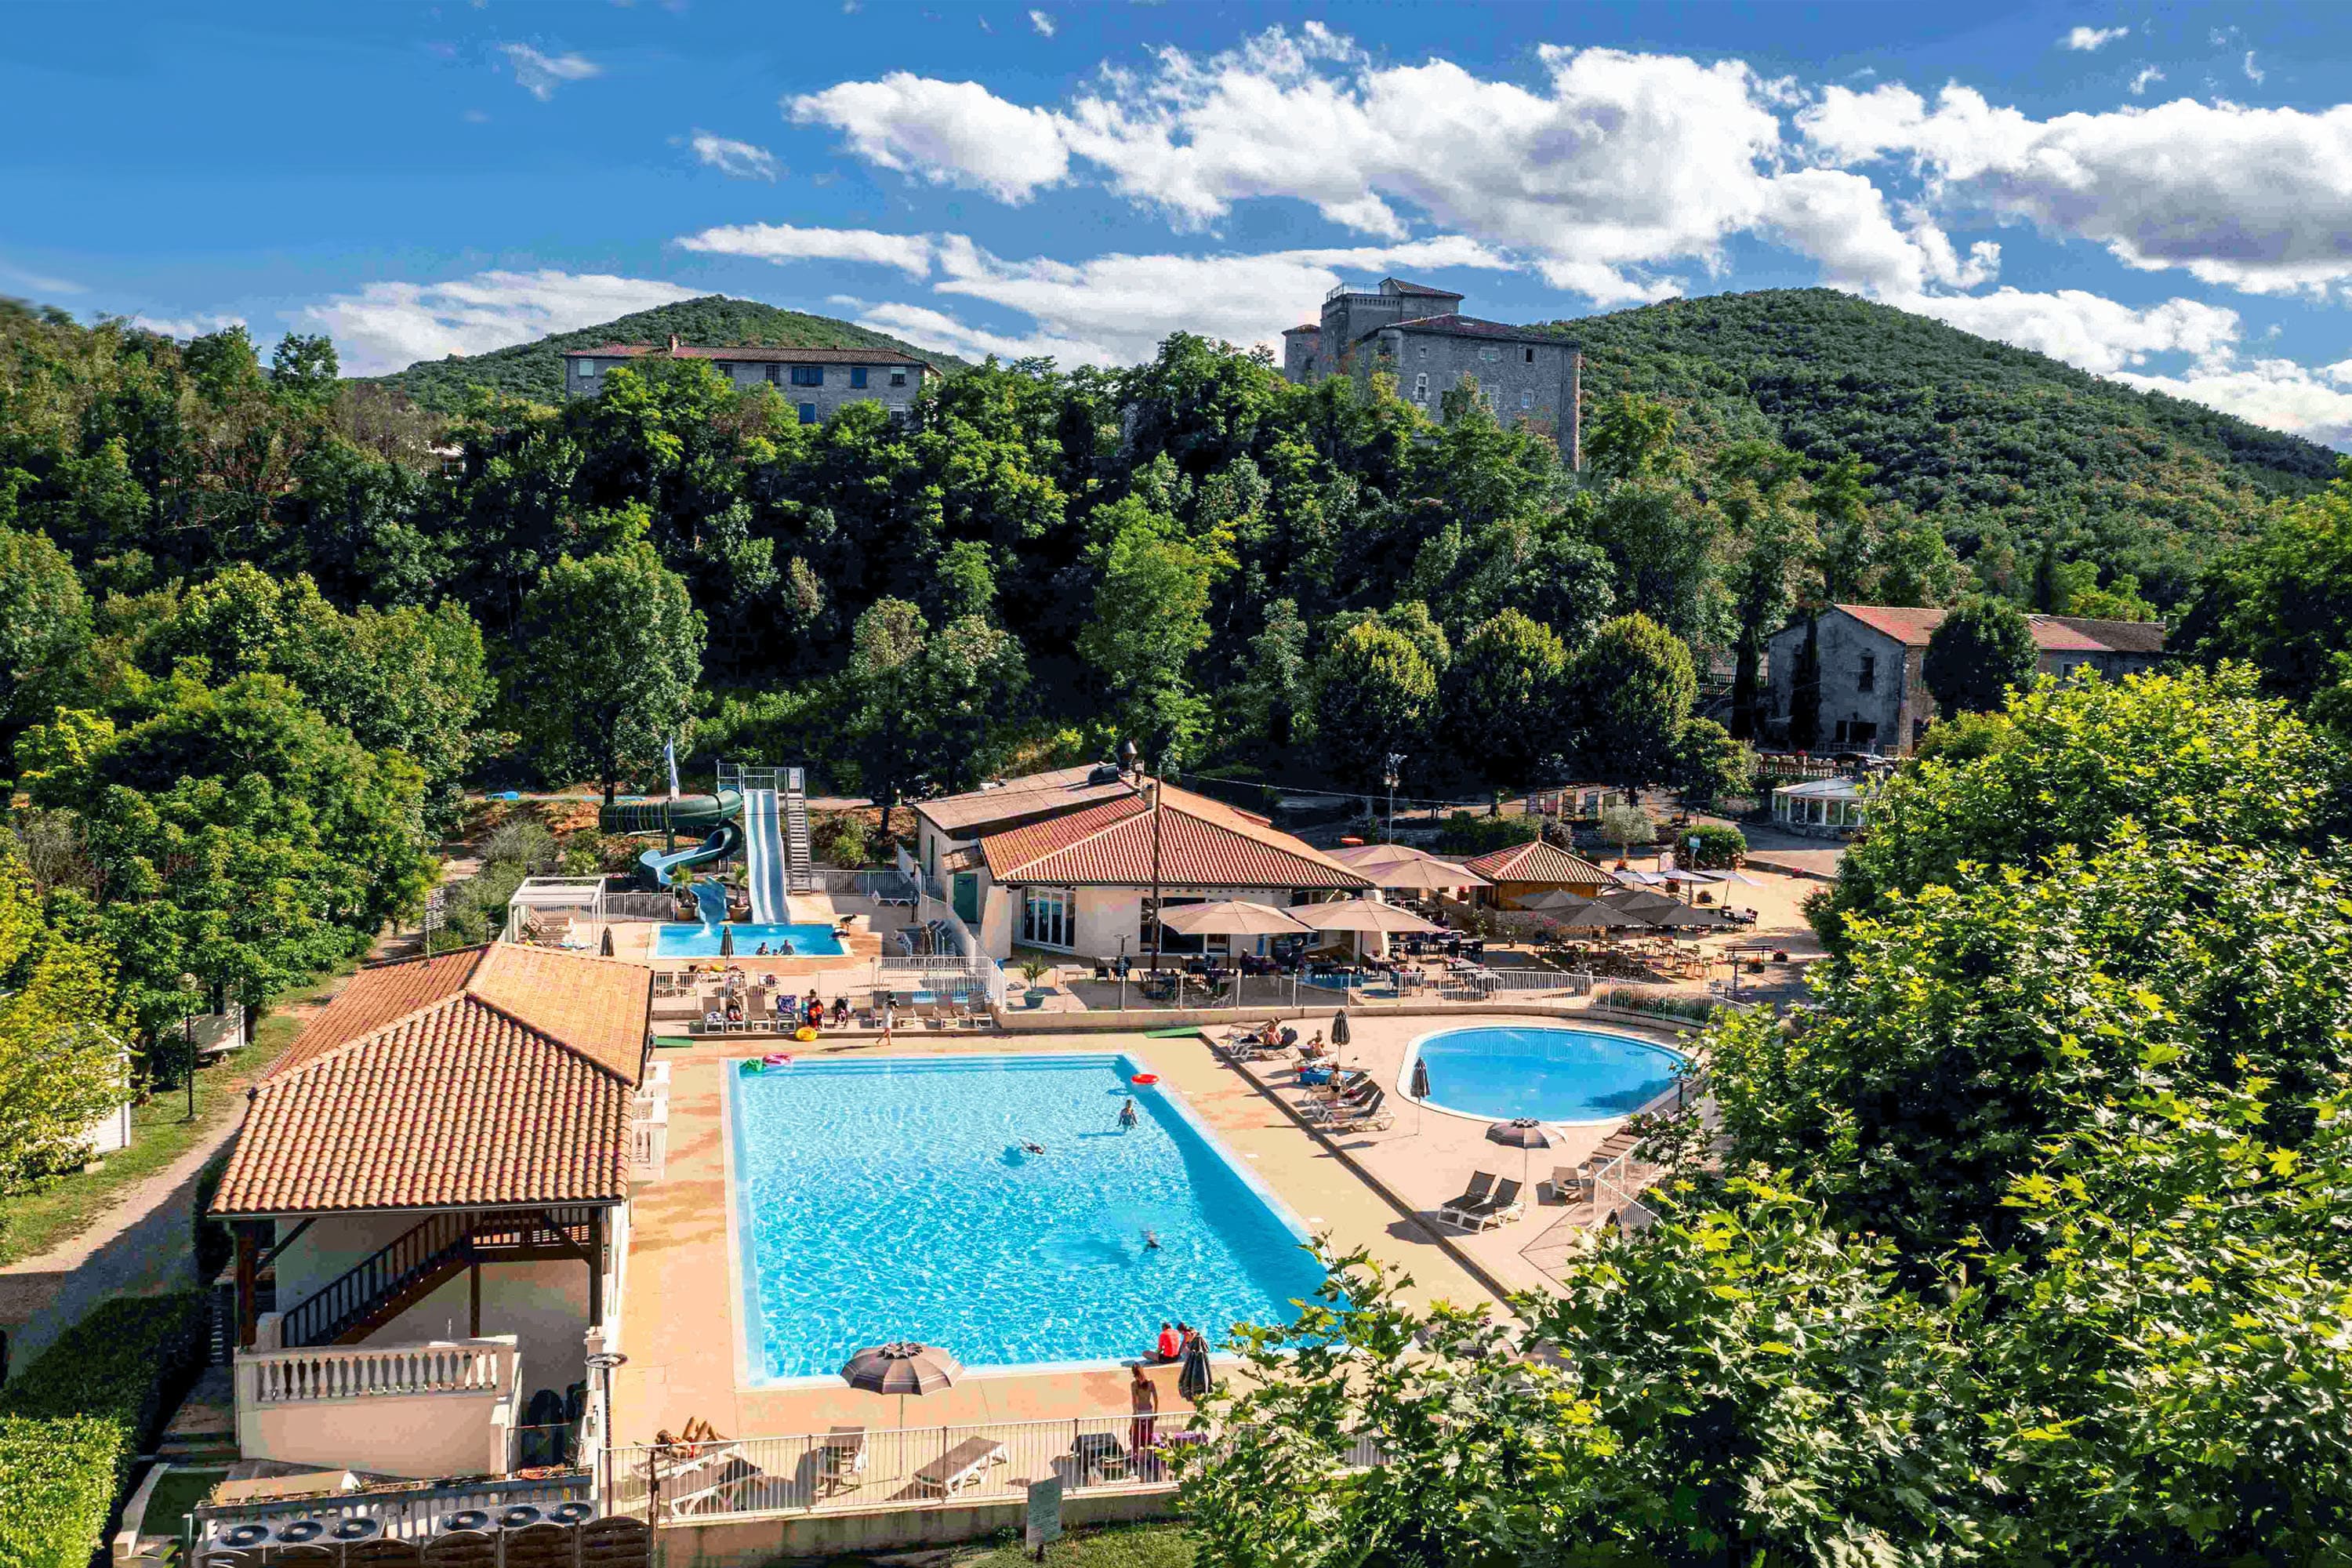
(1831, 808)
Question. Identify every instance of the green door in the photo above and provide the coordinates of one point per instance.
(967, 897)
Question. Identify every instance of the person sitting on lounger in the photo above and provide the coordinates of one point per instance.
(713, 1018)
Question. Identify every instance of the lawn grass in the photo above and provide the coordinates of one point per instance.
(160, 1133)
(1112, 1546)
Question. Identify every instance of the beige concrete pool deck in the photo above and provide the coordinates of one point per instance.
(681, 1326)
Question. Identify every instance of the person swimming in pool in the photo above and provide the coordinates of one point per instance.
(1150, 1240)
(1029, 1148)
(761, 951)
(1126, 1117)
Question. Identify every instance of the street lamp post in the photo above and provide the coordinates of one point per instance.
(1389, 773)
(603, 1362)
(1132, 760)
(188, 983)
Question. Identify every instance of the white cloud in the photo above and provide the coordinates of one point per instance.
(780, 242)
(1041, 22)
(951, 133)
(2087, 38)
(2254, 73)
(185, 327)
(2087, 330)
(930, 329)
(387, 326)
(2259, 199)
(41, 282)
(540, 74)
(2146, 76)
(1619, 164)
(741, 159)
(2280, 394)
(1841, 220)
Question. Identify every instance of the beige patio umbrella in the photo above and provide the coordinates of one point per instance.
(1403, 865)
(1230, 917)
(902, 1368)
(1363, 915)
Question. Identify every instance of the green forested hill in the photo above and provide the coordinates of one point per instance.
(2004, 446)
(536, 369)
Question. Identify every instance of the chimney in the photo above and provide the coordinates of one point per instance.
(674, 345)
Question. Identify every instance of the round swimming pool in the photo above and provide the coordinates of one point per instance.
(1551, 1074)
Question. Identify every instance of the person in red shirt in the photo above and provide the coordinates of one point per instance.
(1170, 1346)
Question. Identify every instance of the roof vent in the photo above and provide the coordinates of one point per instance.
(1104, 773)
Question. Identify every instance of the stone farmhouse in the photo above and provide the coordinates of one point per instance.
(1419, 335)
(1873, 695)
(818, 382)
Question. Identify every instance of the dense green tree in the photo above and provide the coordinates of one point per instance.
(44, 626)
(613, 645)
(1501, 700)
(1628, 695)
(1759, 496)
(1275, 704)
(1375, 695)
(1981, 651)
(1150, 617)
(62, 1047)
(233, 834)
(1710, 764)
(926, 708)
(2282, 601)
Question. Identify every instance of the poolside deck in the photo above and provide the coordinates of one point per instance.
(682, 1325)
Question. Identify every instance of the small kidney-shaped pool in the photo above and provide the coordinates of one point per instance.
(1551, 1074)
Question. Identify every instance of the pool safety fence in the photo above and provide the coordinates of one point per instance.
(853, 1470)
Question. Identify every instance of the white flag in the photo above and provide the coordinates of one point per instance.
(669, 755)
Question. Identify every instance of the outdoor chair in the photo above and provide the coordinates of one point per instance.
(1370, 1114)
(1482, 1184)
(1101, 1456)
(840, 1459)
(959, 1467)
(1501, 1207)
(1571, 1183)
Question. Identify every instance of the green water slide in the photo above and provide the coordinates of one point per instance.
(717, 817)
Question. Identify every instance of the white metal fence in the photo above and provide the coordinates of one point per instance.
(852, 1471)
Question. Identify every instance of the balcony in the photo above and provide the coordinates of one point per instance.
(444, 1407)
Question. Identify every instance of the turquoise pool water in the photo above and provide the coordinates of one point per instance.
(702, 941)
(1551, 1074)
(891, 1199)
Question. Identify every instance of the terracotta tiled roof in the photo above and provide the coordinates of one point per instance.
(1203, 843)
(1018, 799)
(1913, 626)
(756, 352)
(491, 1076)
(1536, 861)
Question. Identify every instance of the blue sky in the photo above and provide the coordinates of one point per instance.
(2163, 195)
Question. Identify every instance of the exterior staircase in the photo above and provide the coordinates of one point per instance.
(394, 1278)
(799, 877)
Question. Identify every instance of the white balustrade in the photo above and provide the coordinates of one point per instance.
(358, 1372)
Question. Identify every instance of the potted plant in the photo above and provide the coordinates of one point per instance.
(1034, 971)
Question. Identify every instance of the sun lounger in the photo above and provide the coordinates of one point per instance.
(710, 1476)
(1101, 1456)
(959, 1467)
(1370, 1114)
(1475, 1194)
(1503, 1206)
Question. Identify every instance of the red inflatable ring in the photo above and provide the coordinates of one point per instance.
(1145, 1078)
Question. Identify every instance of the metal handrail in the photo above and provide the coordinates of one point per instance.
(411, 1256)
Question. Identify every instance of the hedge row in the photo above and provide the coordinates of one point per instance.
(73, 1421)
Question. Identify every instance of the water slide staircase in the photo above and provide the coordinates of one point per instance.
(380, 1287)
(776, 858)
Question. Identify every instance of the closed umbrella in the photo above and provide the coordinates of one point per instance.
(1522, 1132)
(902, 1368)
(1195, 1379)
(605, 946)
(1419, 1091)
(726, 941)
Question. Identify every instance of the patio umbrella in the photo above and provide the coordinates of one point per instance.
(1575, 909)
(1362, 915)
(1420, 1078)
(1231, 917)
(726, 941)
(1633, 879)
(902, 1368)
(1402, 866)
(1522, 1132)
(1694, 915)
(1641, 901)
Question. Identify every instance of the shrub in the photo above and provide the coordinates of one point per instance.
(1719, 845)
(523, 843)
(1464, 834)
(1697, 1009)
(72, 1422)
(838, 838)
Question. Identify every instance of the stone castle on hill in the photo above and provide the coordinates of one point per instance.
(1419, 335)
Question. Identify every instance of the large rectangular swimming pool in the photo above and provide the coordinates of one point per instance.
(891, 1199)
